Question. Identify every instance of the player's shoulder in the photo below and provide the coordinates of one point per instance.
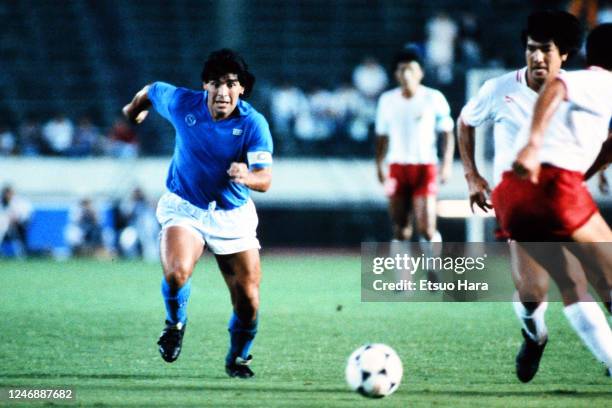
(186, 93)
(432, 92)
(175, 92)
(390, 94)
(506, 82)
(250, 115)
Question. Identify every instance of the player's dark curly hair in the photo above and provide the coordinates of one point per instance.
(409, 53)
(226, 61)
(599, 46)
(561, 27)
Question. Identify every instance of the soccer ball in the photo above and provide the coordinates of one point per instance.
(374, 370)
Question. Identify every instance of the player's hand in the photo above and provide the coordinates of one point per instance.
(602, 183)
(527, 164)
(238, 172)
(142, 115)
(479, 192)
(445, 173)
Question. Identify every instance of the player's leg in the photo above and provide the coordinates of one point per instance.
(425, 216)
(597, 257)
(242, 274)
(400, 206)
(180, 249)
(587, 318)
(596, 229)
(400, 210)
(531, 281)
(429, 238)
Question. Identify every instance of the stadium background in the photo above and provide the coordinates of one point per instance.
(89, 57)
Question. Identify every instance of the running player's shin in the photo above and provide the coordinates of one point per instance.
(242, 335)
(176, 301)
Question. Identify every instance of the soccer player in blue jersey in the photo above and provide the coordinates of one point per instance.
(223, 149)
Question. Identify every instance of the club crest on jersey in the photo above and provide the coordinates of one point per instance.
(190, 119)
(236, 132)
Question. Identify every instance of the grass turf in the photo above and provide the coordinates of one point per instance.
(93, 326)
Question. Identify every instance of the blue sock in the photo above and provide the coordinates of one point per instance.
(176, 301)
(241, 338)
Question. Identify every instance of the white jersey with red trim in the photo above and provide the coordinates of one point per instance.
(573, 141)
(412, 124)
(506, 101)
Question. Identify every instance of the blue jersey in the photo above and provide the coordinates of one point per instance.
(204, 149)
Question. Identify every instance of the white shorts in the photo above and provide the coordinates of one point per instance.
(224, 231)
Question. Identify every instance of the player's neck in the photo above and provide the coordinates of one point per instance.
(533, 84)
(409, 92)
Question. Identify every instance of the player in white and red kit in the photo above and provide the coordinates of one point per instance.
(507, 102)
(567, 142)
(408, 121)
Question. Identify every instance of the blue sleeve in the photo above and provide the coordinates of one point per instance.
(259, 148)
(161, 95)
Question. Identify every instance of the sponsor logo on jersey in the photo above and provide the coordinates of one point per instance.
(190, 119)
(236, 132)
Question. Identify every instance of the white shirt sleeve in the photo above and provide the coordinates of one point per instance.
(479, 108)
(444, 121)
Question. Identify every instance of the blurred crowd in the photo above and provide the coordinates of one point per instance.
(337, 121)
(127, 229)
(341, 120)
(60, 136)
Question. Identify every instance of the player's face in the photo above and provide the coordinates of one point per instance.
(543, 61)
(409, 74)
(223, 95)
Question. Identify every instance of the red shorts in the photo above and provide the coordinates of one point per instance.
(413, 179)
(548, 211)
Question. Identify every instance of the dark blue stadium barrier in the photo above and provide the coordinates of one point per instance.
(47, 226)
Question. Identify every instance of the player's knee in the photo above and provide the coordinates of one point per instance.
(402, 232)
(178, 273)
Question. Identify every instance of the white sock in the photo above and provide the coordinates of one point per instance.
(533, 322)
(589, 322)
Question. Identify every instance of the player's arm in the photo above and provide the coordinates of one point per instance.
(527, 164)
(258, 179)
(478, 187)
(602, 182)
(382, 144)
(137, 110)
(603, 158)
(447, 155)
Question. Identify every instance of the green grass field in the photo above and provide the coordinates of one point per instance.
(93, 326)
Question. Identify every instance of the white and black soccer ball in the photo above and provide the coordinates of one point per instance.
(374, 370)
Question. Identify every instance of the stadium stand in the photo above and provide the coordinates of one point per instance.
(84, 55)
